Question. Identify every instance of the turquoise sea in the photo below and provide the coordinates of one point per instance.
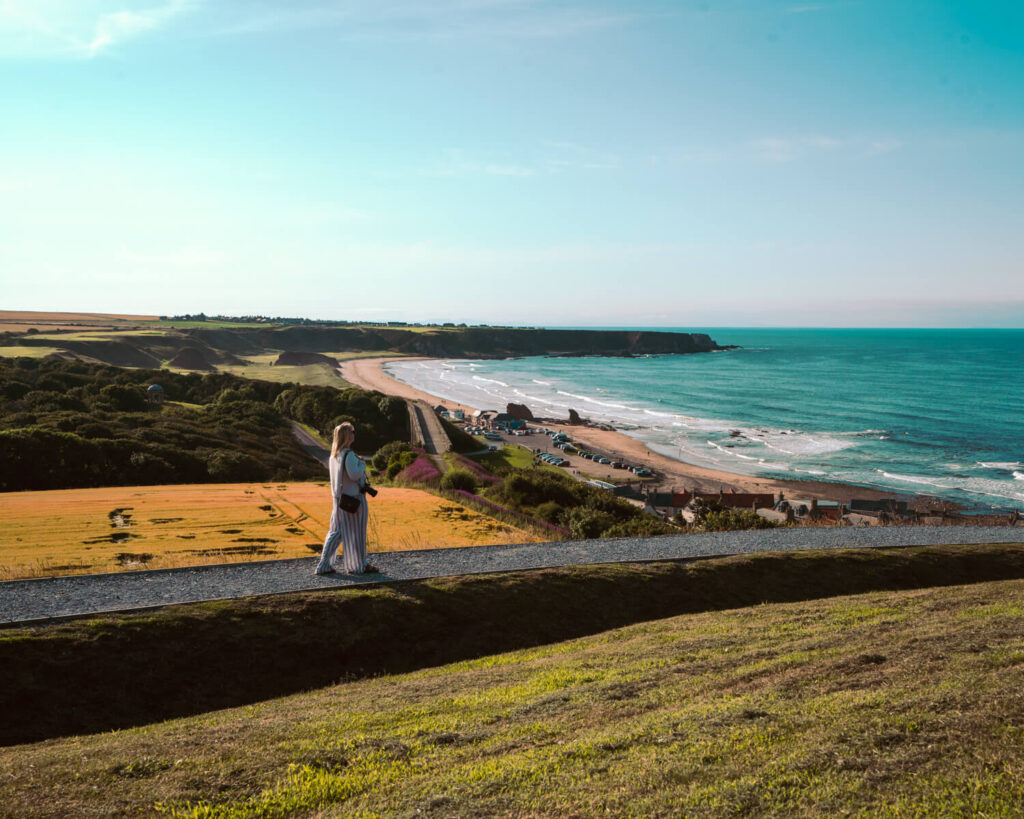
(938, 412)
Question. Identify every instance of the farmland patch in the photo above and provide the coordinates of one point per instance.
(74, 531)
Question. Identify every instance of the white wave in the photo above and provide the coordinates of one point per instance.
(729, 451)
(914, 479)
(804, 444)
(1018, 476)
(490, 380)
(542, 383)
(1001, 464)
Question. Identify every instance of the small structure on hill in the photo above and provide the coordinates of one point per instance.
(155, 394)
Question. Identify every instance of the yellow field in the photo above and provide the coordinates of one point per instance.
(22, 320)
(27, 352)
(76, 531)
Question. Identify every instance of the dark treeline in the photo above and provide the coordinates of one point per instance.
(66, 424)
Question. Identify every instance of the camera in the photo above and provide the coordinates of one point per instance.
(366, 489)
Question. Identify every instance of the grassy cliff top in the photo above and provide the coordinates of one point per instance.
(883, 703)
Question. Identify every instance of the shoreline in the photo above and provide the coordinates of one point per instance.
(368, 373)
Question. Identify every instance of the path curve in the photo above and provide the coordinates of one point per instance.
(25, 601)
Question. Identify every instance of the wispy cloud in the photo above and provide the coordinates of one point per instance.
(87, 28)
(546, 157)
(457, 163)
(120, 25)
(184, 257)
(807, 8)
(427, 19)
(51, 28)
(563, 155)
(793, 148)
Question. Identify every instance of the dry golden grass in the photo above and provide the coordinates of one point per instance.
(21, 320)
(76, 531)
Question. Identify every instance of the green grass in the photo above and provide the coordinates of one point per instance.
(511, 456)
(886, 703)
(27, 352)
(261, 368)
(131, 669)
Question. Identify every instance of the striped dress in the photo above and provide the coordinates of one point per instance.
(346, 527)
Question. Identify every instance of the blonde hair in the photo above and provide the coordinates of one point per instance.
(344, 435)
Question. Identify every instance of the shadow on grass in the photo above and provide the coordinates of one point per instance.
(117, 671)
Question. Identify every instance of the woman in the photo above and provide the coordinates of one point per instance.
(348, 476)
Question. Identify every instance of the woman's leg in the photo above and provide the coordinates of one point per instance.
(353, 531)
(331, 543)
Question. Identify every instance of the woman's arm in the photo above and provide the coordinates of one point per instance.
(355, 467)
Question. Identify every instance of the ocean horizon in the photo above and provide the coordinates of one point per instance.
(912, 411)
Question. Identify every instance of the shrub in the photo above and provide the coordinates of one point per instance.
(461, 440)
(422, 470)
(511, 513)
(399, 461)
(709, 516)
(640, 526)
(382, 456)
(730, 520)
(549, 511)
(475, 469)
(584, 523)
(459, 479)
(234, 467)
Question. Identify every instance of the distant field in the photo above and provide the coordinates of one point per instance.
(18, 321)
(111, 529)
(27, 352)
(262, 368)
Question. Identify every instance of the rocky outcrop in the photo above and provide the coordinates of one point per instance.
(520, 411)
(574, 418)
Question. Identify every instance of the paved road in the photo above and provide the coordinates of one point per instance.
(27, 600)
(310, 444)
(427, 429)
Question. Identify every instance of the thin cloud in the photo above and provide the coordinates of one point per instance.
(458, 164)
(50, 28)
(791, 149)
(405, 20)
(121, 25)
(565, 155)
(808, 8)
(185, 257)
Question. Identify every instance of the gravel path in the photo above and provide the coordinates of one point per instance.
(23, 601)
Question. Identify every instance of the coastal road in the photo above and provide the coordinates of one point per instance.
(41, 600)
(427, 429)
(310, 444)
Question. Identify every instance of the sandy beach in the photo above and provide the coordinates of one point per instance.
(368, 373)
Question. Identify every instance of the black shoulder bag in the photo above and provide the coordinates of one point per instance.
(348, 503)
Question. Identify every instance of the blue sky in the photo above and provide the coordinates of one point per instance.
(516, 161)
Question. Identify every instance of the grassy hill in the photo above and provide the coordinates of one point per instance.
(882, 703)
